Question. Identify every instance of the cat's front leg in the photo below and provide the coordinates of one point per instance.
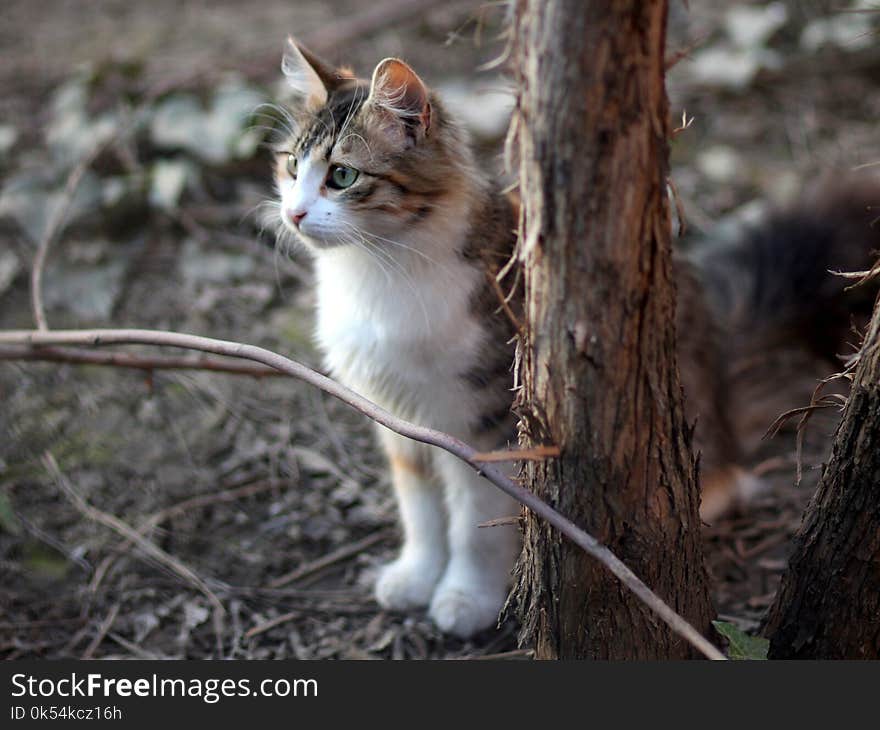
(409, 580)
(473, 588)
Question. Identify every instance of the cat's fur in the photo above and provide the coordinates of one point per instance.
(407, 317)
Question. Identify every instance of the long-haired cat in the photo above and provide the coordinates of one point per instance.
(378, 182)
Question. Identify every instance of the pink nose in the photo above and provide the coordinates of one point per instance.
(295, 217)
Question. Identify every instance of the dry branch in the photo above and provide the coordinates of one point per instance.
(135, 362)
(100, 337)
(325, 561)
(55, 224)
(203, 500)
(103, 629)
(272, 623)
(536, 453)
(118, 526)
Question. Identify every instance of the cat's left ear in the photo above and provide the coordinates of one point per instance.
(398, 92)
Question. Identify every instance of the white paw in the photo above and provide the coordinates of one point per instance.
(406, 583)
(465, 611)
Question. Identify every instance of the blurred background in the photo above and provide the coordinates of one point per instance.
(244, 481)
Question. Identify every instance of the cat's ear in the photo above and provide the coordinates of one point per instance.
(305, 74)
(397, 92)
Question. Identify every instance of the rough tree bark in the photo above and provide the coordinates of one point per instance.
(598, 368)
(828, 606)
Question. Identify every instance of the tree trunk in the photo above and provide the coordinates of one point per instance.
(598, 364)
(828, 606)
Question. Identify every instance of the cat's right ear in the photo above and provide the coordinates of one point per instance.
(401, 98)
(303, 72)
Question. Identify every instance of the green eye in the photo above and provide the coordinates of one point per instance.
(291, 165)
(341, 177)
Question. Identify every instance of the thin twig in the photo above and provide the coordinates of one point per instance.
(785, 417)
(118, 526)
(53, 228)
(817, 402)
(229, 495)
(866, 165)
(105, 627)
(679, 208)
(685, 124)
(138, 651)
(682, 53)
(493, 282)
(536, 453)
(158, 518)
(501, 521)
(405, 428)
(135, 362)
(346, 551)
(272, 623)
(862, 277)
(512, 654)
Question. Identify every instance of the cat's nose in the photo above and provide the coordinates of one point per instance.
(296, 216)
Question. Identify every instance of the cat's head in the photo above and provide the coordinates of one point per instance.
(364, 160)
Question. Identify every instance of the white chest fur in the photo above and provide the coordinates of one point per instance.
(401, 334)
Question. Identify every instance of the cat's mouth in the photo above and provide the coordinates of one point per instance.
(315, 238)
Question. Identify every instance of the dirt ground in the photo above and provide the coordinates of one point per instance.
(271, 497)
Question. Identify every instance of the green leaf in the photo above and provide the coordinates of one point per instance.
(44, 562)
(740, 644)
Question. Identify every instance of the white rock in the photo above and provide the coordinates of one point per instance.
(752, 26)
(720, 164)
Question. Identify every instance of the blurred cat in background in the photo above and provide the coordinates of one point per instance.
(378, 182)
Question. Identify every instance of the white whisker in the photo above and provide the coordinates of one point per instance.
(395, 265)
(406, 247)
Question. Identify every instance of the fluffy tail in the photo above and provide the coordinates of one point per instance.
(775, 287)
(786, 320)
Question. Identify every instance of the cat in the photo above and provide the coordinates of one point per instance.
(380, 185)
(378, 182)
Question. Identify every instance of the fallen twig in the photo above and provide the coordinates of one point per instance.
(229, 495)
(105, 627)
(138, 651)
(118, 526)
(54, 225)
(429, 436)
(272, 623)
(346, 551)
(512, 654)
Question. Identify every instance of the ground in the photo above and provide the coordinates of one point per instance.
(268, 499)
